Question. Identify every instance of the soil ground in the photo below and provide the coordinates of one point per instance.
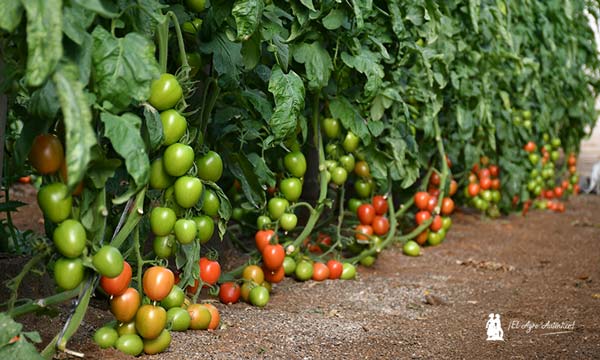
(542, 269)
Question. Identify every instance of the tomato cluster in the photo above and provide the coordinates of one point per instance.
(483, 190)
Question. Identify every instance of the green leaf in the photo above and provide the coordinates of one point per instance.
(77, 117)
(288, 91)
(251, 52)
(75, 23)
(153, 127)
(360, 7)
(367, 63)
(334, 19)
(44, 102)
(103, 8)
(396, 16)
(243, 170)
(8, 328)
(317, 62)
(11, 14)
(124, 134)
(124, 68)
(247, 15)
(227, 58)
(44, 38)
(224, 208)
(143, 15)
(258, 99)
(308, 4)
(101, 170)
(474, 6)
(350, 117)
(20, 350)
(11, 205)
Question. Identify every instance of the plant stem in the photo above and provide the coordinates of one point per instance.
(15, 283)
(134, 217)
(32, 306)
(162, 33)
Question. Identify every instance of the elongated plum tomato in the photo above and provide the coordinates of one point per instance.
(210, 270)
(157, 282)
(117, 285)
(55, 202)
(210, 167)
(291, 188)
(422, 200)
(295, 163)
(46, 154)
(263, 238)
(150, 321)
(69, 238)
(174, 126)
(165, 92)
(200, 316)
(380, 204)
(206, 228)
(124, 306)
(158, 344)
(273, 256)
(366, 214)
(68, 273)
(162, 220)
(159, 179)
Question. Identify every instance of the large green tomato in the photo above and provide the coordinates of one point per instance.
(55, 201)
(210, 203)
(339, 175)
(348, 271)
(291, 188)
(411, 248)
(162, 220)
(206, 228)
(331, 127)
(188, 190)
(68, 273)
(159, 179)
(289, 265)
(210, 167)
(259, 296)
(351, 142)
(185, 231)
(347, 162)
(106, 337)
(108, 261)
(174, 126)
(159, 344)
(288, 221)
(277, 207)
(164, 246)
(150, 321)
(304, 270)
(295, 163)
(69, 238)
(178, 159)
(196, 5)
(130, 344)
(178, 319)
(165, 92)
(175, 298)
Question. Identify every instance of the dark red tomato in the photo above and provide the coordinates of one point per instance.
(434, 192)
(530, 147)
(366, 214)
(210, 270)
(263, 238)
(362, 232)
(448, 161)
(473, 189)
(229, 293)
(381, 225)
(335, 269)
(124, 306)
(549, 194)
(380, 204)
(320, 271)
(274, 276)
(119, 284)
(158, 282)
(494, 171)
(475, 168)
(453, 187)
(436, 224)
(361, 168)
(422, 216)
(46, 154)
(273, 256)
(25, 179)
(435, 179)
(495, 184)
(432, 203)
(324, 239)
(421, 200)
(447, 206)
(422, 237)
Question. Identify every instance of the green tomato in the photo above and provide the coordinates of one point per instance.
(106, 337)
(55, 201)
(353, 204)
(262, 222)
(411, 248)
(175, 298)
(333, 150)
(210, 203)
(192, 28)
(165, 92)
(526, 114)
(159, 179)
(206, 227)
(496, 196)
(174, 126)
(330, 164)
(289, 265)
(534, 158)
(108, 261)
(130, 344)
(362, 188)
(304, 270)
(69, 238)
(178, 319)
(196, 5)
(367, 261)
(527, 124)
(434, 238)
(288, 221)
(351, 141)
(331, 127)
(348, 272)
(259, 296)
(555, 143)
(164, 246)
(446, 223)
(339, 175)
(162, 220)
(347, 162)
(159, 344)
(291, 188)
(486, 195)
(187, 191)
(126, 328)
(185, 231)
(210, 167)
(277, 207)
(68, 273)
(295, 163)
(178, 159)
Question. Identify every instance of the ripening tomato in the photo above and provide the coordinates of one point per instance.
(362, 232)
(453, 187)
(46, 154)
(215, 317)
(229, 292)
(254, 274)
(435, 179)
(558, 191)
(530, 147)
(436, 224)
(366, 214)
(473, 189)
(495, 184)
(320, 271)
(422, 216)
(274, 276)
(150, 321)
(381, 225)
(361, 168)
(422, 237)
(447, 206)
(158, 282)
(494, 170)
(380, 204)
(210, 270)
(119, 284)
(422, 200)
(263, 238)
(125, 306)
(200, 316)
(273, 256)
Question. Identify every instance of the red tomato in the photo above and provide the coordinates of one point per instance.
(25, 179)
(530, 147)
(436, 224)
(434, 192)
(158, 282)
(495, 184)
(558, 192)
(453, 187)
(565, 184)
(229, 292)
(473, 189)
(435, 179)
(381, 225)
(484, 173)
(421, 200)
(576, 189)
(210, 270)
(380, 204)
(274, 276)
(422, 237)
(422, 216)
(263, 238)
(335, 269)
(447, 206)
(361, 232)
(366, 214)
(324, 239)
(273, 256)
(320, 271)
(46, 153)
(475, 168)
(572, 160)
(494, 171)
(433, 200)
(119, 284)
(485, 183)
(549, 194)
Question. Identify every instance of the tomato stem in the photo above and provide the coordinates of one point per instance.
(15, 283)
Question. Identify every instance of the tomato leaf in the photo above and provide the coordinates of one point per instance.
(227, 58)
(247, 14)
(11, 14)
(103, 8)
(350, 117)
(77, 117)
(334, 19)
(153, 129)
(44, 101)
(124, 134)
(44, 38)
(224, 208)
(101, 170)
(242, 169)
(317, 62)
(186, 259)
(76, 20)
(367, 63)
(288, 91)
(124, 68)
